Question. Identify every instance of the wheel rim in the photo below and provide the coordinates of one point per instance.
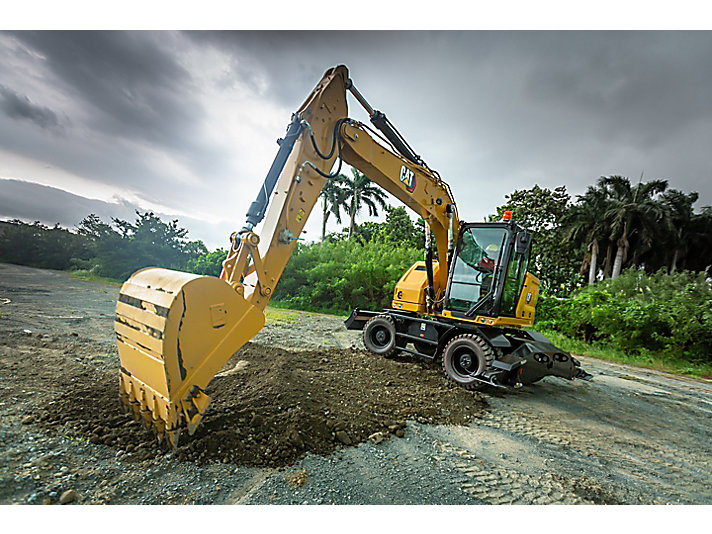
(380, 336)
(464, 361)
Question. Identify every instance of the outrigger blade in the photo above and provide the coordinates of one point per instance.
(174, 331)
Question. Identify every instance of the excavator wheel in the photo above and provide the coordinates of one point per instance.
(465, 357)
(379, 335)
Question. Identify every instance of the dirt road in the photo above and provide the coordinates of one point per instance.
(630, 436)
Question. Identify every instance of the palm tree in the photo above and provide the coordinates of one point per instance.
(333, 197)
(585, 225)
(680, 214)
(362, 192)
(633, 212)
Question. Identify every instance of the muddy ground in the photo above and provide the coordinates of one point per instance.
(293, 412)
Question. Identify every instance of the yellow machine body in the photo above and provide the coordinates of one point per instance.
(410, 290)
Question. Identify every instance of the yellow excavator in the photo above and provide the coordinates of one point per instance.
(175, 330)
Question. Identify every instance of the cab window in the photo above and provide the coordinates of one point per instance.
(477, 259)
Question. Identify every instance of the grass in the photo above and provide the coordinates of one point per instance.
(82, 274)
(330, 312)
(658, 362)
(274, 315)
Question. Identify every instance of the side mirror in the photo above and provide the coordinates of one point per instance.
(522, 242)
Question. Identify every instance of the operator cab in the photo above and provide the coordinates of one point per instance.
(489, 271)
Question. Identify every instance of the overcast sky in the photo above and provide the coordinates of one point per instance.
(185, 124)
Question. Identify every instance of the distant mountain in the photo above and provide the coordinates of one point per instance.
(31, 202)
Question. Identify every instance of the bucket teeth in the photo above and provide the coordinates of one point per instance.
(159, 427)
(136, 411)
(147, 417)
(173, 437)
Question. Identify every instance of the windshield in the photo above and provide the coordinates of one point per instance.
(479, 255)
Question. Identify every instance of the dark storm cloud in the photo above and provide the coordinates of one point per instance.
(132, 81)
(131, 86)
(492, 111)
(509, 109)
(20, 107)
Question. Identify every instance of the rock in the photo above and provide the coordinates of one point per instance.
(393, 428)
(343, 437)
(377, 437)
(295, 438)
(28, 419)
(400, 433)
(256, 420)
(68, 496)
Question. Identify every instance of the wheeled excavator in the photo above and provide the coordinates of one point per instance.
(466, 303)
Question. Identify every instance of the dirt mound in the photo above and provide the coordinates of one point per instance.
(270, 406)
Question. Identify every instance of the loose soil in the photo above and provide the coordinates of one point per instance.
(269, 406)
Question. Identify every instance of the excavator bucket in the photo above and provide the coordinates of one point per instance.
(174, 331)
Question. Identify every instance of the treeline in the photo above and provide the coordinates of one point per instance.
(614, 225)
(638, 313)
(625, 264)
(108, 250)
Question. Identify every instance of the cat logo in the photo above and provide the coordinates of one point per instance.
(408, 178)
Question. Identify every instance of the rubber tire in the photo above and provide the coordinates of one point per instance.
(375, 324)
(481, 350)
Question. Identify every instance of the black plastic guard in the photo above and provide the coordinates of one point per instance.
(543, 358)
(358, 319)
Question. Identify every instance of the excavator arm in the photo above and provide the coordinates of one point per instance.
(176, 330)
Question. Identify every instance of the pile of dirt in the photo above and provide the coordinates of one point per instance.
(270, 406)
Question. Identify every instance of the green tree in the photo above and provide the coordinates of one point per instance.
(38, 245)
(146, 242)
(399, 228)
(681, 215)
(585, 226)
(360, 192)
(333, 197)
(542, 210)
(209, 263)
(633, 213)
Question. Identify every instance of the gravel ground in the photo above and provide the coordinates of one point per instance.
(631, 436)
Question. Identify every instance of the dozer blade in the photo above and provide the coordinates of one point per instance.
(174, 331)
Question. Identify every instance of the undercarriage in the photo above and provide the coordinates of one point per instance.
(473, 356)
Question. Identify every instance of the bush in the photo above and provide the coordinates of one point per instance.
(335, 277)
(209, 263)
(638, 312)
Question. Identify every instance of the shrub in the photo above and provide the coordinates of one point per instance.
(335, 277)
(638, 312)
